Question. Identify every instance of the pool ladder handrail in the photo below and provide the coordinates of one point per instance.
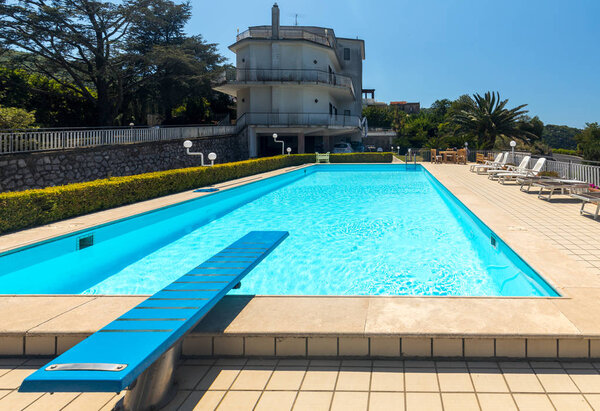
(407, 158)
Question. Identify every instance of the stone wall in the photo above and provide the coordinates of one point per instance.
(52, 168)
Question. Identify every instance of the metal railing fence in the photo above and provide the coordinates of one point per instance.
(289, 75)
(19, 141)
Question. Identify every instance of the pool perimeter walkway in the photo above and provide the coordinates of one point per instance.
(302, 384)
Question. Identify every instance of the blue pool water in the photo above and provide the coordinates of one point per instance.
(354, 230)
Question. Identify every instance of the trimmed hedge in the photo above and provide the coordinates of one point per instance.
(24, 209)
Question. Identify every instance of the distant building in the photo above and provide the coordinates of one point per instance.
(368, 100)
(409, 108)
(301, 82)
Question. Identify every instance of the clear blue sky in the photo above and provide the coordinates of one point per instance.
(545, 53)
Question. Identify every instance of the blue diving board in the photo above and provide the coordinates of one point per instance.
(111, 359)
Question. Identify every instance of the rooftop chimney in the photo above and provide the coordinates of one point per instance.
(275, 21)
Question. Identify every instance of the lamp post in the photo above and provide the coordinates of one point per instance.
(211, 156)
(513, 144)
(289, 150)
(279, 141)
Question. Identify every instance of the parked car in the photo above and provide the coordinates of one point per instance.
(357, 146)
(342, 148)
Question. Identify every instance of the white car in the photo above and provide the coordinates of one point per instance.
(342, 148)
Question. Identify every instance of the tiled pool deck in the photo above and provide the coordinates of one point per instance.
(552, 237)
(312, 385)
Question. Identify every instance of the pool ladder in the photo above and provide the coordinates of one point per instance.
(408, 157)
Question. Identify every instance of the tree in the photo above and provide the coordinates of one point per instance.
(488, 120)
(11, 117)
(560, 136)
(589, 141)
(178, 71)
(77, 43)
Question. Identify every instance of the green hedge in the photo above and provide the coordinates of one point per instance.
(565, 151)
(23, 209)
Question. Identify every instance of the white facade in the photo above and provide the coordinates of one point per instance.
(300, 82)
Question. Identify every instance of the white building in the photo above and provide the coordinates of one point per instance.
(300, 82)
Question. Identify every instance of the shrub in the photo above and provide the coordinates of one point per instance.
(565, 151)
(549, 174)
(23, 209)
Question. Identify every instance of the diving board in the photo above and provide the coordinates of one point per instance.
(111, 359)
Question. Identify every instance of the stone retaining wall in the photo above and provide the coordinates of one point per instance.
(52, 168)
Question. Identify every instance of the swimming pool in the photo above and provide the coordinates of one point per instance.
(354, 230)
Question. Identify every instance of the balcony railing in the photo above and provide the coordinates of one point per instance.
(297, 120)
(326, 39)
(290, 75)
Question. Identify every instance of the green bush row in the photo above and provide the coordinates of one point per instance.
(23, 209)
(565, 151)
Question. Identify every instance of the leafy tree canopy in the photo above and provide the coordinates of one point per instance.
(589, 142)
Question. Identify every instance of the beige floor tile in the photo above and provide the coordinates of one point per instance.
(418, 401)
(496, 402)
(345, 401)
(286, 378)
(556, 381)
(112, 403)
(588, 381)
(202, 401)
(451, 381)
(4, 393)
(421, 379)
(387, 379)
(52, 402)
(488, 380)
(15, 377)
(188, 376)
(569, 402)
(459, 401)
(90, 401)
(537, 402)
(219, 377)
(353, 379)
(239, 401)
(386, 401)
(276, 400)
(594, 400)
(177, 401)
(254, 378)
(523, 381)
(320, 379)
(313, 401)
(18, 400)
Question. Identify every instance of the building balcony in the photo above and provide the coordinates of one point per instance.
(325, 38)
(298, 120)
(232, 81)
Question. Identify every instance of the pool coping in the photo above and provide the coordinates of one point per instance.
(46, 325)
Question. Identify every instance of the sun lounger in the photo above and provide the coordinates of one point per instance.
(528, 181)
(514, 175)
(588, 198)
(140, 349)
(522, 167)
(562, 186)
(499, 163)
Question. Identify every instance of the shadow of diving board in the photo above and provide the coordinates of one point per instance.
(113, 358)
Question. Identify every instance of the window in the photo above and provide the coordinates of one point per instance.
(347, 113)
(346, 53)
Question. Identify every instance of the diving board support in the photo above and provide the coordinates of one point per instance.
(140, 349)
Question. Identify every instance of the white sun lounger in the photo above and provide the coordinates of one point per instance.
(495, 165)
(574, 187)
(514, 175)
(522, 167)
(592, 198)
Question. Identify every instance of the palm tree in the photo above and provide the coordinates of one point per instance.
(488, 120)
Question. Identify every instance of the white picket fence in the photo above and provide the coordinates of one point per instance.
(20, 141)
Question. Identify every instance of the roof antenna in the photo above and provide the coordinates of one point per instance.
(296, 19)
